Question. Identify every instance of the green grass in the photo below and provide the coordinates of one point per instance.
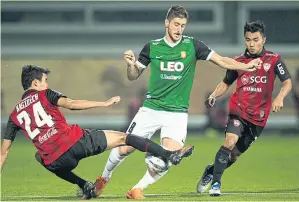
(269, 170)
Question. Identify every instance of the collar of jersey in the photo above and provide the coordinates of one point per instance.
(261, 54)
(172, 45)
(27, 92)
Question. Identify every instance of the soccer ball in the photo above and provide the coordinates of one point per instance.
(155, 164)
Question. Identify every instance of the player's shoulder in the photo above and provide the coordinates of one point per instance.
(155, 41)
(269, 53)
(49, 90)
(187, 39)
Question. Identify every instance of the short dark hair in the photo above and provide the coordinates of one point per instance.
(256, 26)
(176, 12)
(31, 72)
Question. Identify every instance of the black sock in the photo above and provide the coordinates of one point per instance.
(146, 145)
(211, 169)
(71, 177)
(220, 163)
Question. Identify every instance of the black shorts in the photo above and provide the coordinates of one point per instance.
(92, 142)
(247, 131)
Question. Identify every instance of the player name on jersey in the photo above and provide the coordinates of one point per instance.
(28, 101)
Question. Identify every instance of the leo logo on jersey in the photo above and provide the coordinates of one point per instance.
(172, 66)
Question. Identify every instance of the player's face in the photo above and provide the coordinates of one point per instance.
(254, 42)
(175, 28)
(42, 84)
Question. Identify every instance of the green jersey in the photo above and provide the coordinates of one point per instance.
(172, 72)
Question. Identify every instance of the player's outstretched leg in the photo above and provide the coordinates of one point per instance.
(115, 139)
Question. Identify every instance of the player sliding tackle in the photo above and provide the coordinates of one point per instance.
(173, 61)
(61, 146)
(249, 106)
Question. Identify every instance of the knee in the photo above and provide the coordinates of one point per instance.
(230, 141)
(125, 150)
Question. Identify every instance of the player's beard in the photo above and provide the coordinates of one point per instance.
(170, 35)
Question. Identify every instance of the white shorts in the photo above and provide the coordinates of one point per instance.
(147, 121)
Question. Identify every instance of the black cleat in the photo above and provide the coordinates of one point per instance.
(176, 157)
(88, 191)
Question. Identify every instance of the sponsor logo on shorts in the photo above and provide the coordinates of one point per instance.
(236, 123)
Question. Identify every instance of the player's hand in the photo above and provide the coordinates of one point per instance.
(112, 101)
(255, 64)
(129, 57)
(277, 104)
(210, 102)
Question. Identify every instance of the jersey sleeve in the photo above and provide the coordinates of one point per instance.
(230, 77)
(202, 51)
(281, 70)
(11, 130)
(53, 96)
(144, 56)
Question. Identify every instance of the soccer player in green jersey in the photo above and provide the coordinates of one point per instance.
(173, 60)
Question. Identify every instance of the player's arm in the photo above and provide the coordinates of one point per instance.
(9, 136)
(231, 64)
(57, 99)
(135, 68)
(203, 52)
(283, 74)
(222, 87)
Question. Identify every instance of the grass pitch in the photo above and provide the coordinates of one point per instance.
(268, 171)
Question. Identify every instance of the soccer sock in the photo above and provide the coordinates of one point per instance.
(146, 145)
(113, 161)
(211, 169)
(148, 179)
(220, 163)
(71, 177)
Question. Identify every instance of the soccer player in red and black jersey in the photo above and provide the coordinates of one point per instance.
(250, 104)
(61, 146)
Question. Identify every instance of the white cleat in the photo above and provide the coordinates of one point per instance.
(215, 189)
(205, 180)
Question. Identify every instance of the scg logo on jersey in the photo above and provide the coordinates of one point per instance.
(253, 79)
(172, 66)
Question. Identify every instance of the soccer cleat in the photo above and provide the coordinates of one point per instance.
(79, 192)
(136, 193)
(205, 180)
(100, 185)
(176, 157)
(88, 191)
(215, 189)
